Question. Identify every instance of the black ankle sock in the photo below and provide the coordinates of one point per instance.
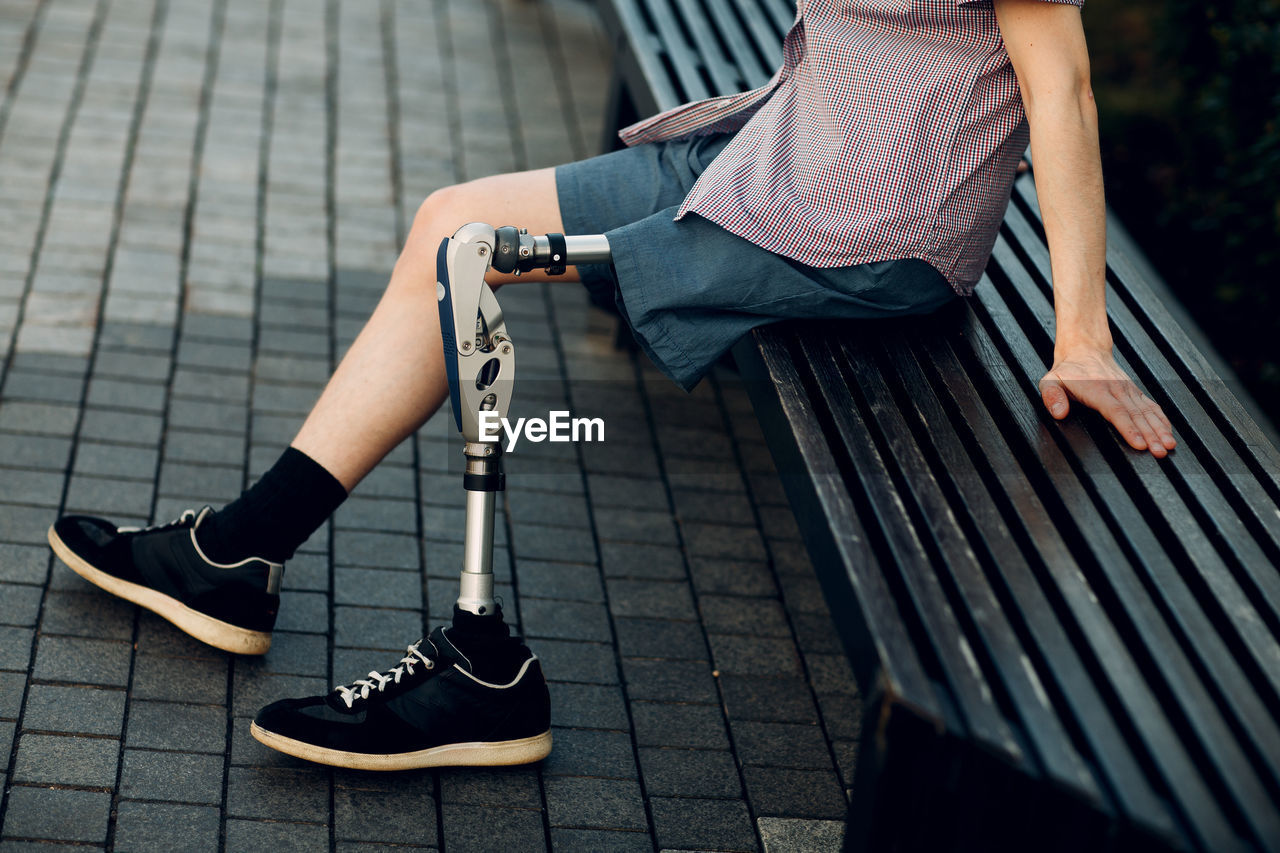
(495, 656)
(276, 514)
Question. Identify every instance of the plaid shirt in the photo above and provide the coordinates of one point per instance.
(892, 130)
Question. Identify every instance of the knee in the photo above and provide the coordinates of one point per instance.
(442, 212)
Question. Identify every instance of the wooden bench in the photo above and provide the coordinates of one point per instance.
(1062, 643)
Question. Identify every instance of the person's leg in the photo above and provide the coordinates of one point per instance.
(392, 379)
(217, 575)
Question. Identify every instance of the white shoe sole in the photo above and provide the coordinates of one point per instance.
(206, 629)
(478, 754)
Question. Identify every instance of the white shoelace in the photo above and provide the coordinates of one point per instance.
(188, 515)
(377, 680)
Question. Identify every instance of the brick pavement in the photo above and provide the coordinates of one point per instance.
(199, 203)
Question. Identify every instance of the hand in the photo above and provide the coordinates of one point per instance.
(1093, 378)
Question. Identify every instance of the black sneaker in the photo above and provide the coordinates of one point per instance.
(430, 711)
(162, 568)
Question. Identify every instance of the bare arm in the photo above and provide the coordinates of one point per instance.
(1046, 43)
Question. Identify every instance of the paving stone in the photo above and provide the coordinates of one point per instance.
(795, 793)
(35, 488)
(83, 661)
(635, 525)
(12, 685)
(703, 824)
(8, 730)
(796, 835)
(509, 787)
(207, 415)
(561, 544)
(115, 461)
(42, 418)
(19, 604)
(689, 773)
(216, 482)
(588, 706)
(122, 427)
(816, 634)
(201, 682)
(124, 394)
(403, 814)
(15, 647)
(385, 514)
(565, 620)
(713, 506)
(65, 760)
(803, 594)
(168, 827)
(600, 841)
(565, 581)
(585, 663)
(664, 724)
(608, 490)
(303, 611)
(368, 549)
(630, 560)
(582, 802)
(246, 751)
(156, 636)
(787, 700)
(530, 507)
(376, 628)
(132, 366)
(43, 387)
(36, 451)
(841, 715)
(764, 617)
(174, 776)
(23, 563)
(831, 674)
(377, 588)
(87, 710)
(671, 681)
(656, 599)
(754, 655)
(252, 692)
(57, 814)
(268, 793)
(588, 752)
(123, 498)
(781, 745)
(660, 638)
(87, 612)
(723, 540)
(277, 837)
(168, 725)
(483, 829)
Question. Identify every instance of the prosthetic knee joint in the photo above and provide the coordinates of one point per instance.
(480, 363)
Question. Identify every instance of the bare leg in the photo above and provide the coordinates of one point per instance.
(392, 379)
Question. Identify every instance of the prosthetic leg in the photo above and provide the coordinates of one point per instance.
(480, 363)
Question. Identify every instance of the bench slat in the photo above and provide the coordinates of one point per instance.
(1205, 428)
(1011, 503)
(1244, 612)
(725, 78)
(937, 620)
(685, 61)
(747, 58)
(638, 55)
(995, 635)
(1175, 679)
(885, 656)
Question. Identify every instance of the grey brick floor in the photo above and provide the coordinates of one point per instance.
(199, 203)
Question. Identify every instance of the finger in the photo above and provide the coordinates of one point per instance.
(1120, 419)
(1161, 420)
(1055, 398)
(1139, 408)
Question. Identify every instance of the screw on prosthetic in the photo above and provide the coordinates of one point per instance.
(480, 364)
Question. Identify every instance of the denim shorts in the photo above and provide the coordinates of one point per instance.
(690, 289)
